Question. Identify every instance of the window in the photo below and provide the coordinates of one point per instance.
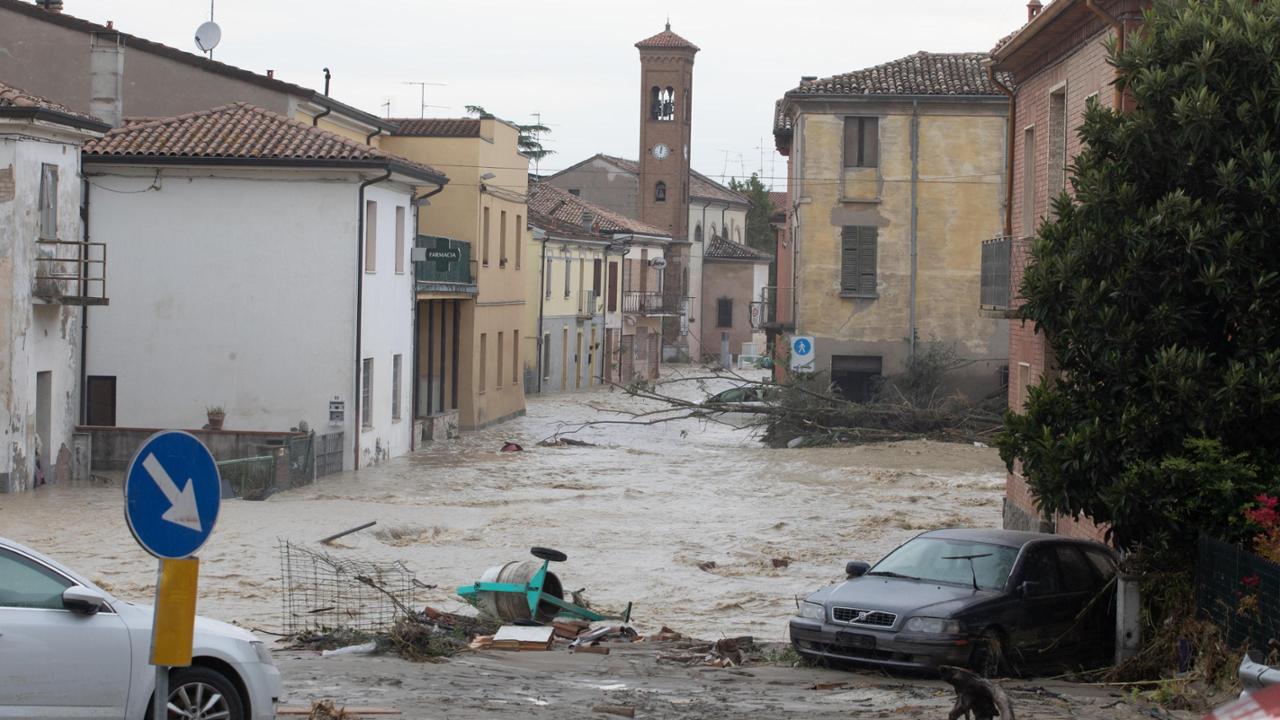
(25, 584)
(396, 363)
(49, 201)
(546, 356)
(688, 109)
(1029, 181)
(861, 142)
(370, 236)
(399, 240)
(547, 279)
(737, 235)
(101, 400)
(662, 103)
(502, 239)
(519, 238)
(1057, 162)
(366, 394)
(856, 377)
(714, 233)
(724, 312)
(660, 192)
(485, 234)
(858, 260)
(1077, 573)
(568, 279)
(697, 232)
(613, 286)
(1041, 567)
(484, 358)
(497, 382)
(515, 357)
(596, 266)
(1024, 381)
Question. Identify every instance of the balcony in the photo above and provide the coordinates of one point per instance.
(443, 266)
(70, 273)
(1003, 259)
(774, 310)
(653, 304)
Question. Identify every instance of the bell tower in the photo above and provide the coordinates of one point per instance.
(666, 112)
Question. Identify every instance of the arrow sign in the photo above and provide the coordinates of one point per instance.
(183, 509)
(168, 519)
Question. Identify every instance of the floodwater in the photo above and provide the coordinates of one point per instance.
(696, 523)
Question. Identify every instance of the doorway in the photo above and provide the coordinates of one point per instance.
(44, 420)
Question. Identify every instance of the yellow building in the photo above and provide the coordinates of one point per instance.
(895, 174)
(469, 262)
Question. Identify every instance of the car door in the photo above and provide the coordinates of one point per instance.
(55, 663)
(1046, 610)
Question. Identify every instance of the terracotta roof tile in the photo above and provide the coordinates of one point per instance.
(722, 249)
(437, 127)
(12, 97)
(667, 39)
(558, 209)
(243, 132)
(700, 186)
(923, 73)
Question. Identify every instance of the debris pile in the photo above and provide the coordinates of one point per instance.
(573, 633)
(723, 653)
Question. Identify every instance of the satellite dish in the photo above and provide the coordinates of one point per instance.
(207, 36)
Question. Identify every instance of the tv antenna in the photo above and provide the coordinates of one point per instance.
(422, 96)
(208, 35)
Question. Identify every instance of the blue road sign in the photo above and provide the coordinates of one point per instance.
(802, 353)
(172, 494)
(802, 346)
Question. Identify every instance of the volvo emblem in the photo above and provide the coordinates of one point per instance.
(861, 616)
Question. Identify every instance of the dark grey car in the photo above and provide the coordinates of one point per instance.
(992, 600)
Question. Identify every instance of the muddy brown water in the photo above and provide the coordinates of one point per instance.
(642, 515)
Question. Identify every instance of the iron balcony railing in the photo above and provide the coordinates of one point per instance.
(646, 302)
(70, 273)
(776, 308)
(444, 264)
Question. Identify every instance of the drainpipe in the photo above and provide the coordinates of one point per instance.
(417, 210)
(915, 181)
(1118, 27)
(360, 219)
(1009, 139)
(542, 296)
(84, 310)
(315, 121)
(376, 132)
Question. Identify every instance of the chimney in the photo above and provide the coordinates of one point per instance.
(111, 24)
(588, 218)
(808, 78)
(271, 73)
(53, 6)
(1033, 9)
(106, 73)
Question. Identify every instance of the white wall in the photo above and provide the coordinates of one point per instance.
(236, 287)
(34, 337)
(387, 327)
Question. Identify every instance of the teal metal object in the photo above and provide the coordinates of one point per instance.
(533, 591)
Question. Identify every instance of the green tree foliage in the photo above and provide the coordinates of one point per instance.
(1158, 289)
(528, 140)
(759, 231)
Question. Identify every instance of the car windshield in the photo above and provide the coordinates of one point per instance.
(947, 561)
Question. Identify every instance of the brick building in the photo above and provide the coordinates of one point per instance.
(1056, 63)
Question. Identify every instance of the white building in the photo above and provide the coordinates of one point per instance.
(264, 266)
(43, 285)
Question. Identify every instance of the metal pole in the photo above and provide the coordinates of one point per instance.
(160, 704)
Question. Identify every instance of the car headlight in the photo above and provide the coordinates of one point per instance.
(934, 626)
(264, 655)
(812, 611)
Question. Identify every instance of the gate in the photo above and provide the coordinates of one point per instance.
(328, 454)
(302, 459)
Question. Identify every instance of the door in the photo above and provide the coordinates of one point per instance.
(1048, 609)
(44, 423)
(55, 663)
(578, 365)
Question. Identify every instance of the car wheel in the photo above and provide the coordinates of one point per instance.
(988, 658)
(200, 693)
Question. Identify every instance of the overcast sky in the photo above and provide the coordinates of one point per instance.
(573, 61)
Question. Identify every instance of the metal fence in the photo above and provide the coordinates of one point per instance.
(302, 459)
(1239, 592)
(251, 478)
(328, 454)
(325, 592)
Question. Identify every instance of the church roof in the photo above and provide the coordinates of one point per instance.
(557, 209)
(667, 39)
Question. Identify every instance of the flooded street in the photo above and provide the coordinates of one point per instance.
(642, 515)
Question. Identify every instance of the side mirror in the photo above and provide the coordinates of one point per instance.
(1029, 588)
(83, 600)
(855, 568)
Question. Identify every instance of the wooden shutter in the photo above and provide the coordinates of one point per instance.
(595, 276)
(613, 287)
(858, 259)
(870, 141)
(851, 141)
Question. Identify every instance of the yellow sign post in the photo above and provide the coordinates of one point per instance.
(175, 617)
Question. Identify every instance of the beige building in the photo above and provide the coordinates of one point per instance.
(734, 277)
(469, 262)
(112, 75)
(896, 176)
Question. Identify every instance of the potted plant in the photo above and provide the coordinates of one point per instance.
(216, 416)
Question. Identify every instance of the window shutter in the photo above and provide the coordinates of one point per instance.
(870, 138)
(849, 259)
(867, 236)
(851, 127)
